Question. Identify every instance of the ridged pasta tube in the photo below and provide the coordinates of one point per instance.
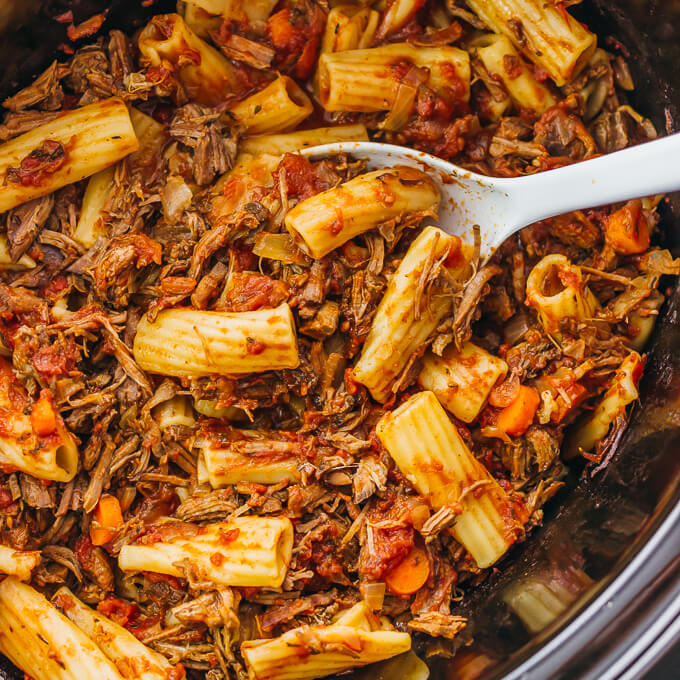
(308, 652)
(34, 438)
(503, 62)
(205, 74)
(41, 641)
(19, 563)
(253, 11)
(370, 80)
(248, 551)
(398, 327)
(279, 107)
(555, 287)
(188, 342)
(325, 221)
(176, 411)
(303, 139)
(349, 27)
(247, 456)
(76, 145)
(622, 392)
(462, 380)
(546, 33)
(91, 220)
(430, 453)
(133, 659)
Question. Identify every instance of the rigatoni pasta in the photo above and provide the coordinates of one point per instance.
(176, 411)
(205, 74)
(555, 287)
(241, 456)
(278, 144)
(622, 392)
(18, 563)
(354, 640)
(187, 342)
(279, 107)
(325, 221)
(503, 62)
(34, 438)
(133, 659)
(349, 27)
(373, 79)
(546, 33)
(43, 642)
(400, 326)
(73, 146)
(462, 379)
(431, 454)
(248, 551)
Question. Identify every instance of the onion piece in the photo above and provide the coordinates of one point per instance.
(373, 594)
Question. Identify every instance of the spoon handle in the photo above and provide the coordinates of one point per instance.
(643, 170)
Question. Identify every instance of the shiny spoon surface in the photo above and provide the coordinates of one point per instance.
(502, 206)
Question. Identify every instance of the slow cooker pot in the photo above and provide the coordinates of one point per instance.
(595, 592)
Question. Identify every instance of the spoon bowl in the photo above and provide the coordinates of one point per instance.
(501, 206)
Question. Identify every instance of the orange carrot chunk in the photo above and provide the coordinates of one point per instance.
(516, 418)
(43, 417)
(106, 521)
(410, 574)
(627, 230)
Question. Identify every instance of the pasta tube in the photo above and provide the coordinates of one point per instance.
(325, 221)
(279, 107)
(91, 221)
(399, 326)
(133, 659)
(462, 380)
(642, 320)
(622, 392)
(6, 264)
(245, 456)
(19, 563)
(352, 641)
(249, 551)
(539, 600)
(503, 62)
(430, 453)
(371, 80)
(209, 408)
(205, 74)
(546, 33)
(302, 139)
(187, 342)
(34, 438)
(556, 289)
(175, 411)
(349, 27)
(41, 641)
(76, 145)
(254, 11)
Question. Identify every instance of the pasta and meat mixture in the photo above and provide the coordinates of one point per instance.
(260, 418)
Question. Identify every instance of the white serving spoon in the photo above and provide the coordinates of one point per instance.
(502, 206)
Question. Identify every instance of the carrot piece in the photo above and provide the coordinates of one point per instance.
(107, 519)
(410, 574)
(627, 230)
(43, 417)
(516, 418)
